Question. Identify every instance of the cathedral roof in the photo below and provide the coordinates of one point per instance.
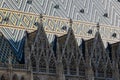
(95, 49)
(61, 41)
(6, 51)
(90, 12)
(31, 37)
(67, 39)
(64, 40)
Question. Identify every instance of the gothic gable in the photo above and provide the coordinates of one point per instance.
(41, 51)
(69, 46)
(97, 49)
(98, 46)
(31, 38)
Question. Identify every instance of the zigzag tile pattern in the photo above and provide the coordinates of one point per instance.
(93, 9)
(93, 12)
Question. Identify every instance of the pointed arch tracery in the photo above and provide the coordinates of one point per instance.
(64, 65)
(82, 68)
(15, 77)
(5, 77)
(109, 71)
(100, 69)
(22, 78)
(42, 64)
(73, 66)
(36, 78)
(33, 62)
(52, 65)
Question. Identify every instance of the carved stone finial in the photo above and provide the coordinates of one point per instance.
(71, 22)
(98, 26)
(41, 16)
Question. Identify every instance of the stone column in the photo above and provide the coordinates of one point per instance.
(60, 71)
(115, 72)
(89, 70)
(59, 65)
(89, 74)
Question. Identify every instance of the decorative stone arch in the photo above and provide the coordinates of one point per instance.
(65, 65)
(42, 64)
(52, 65)
(109, 70)
(94, 67)
(22, 78)
(73, 66)
(36, 78)
(33, 61)
(101, 69)
(15, 77)
(4, 77)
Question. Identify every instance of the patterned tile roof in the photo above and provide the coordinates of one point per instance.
(102, 11)
(6, 51)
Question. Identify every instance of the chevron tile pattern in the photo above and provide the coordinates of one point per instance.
(93, 9)
(16, 39)
(84, 10)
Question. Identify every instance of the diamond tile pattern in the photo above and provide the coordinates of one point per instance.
(93, 12)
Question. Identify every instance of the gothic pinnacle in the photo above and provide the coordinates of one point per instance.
(41, 16)
(98, 26)
(71, 22)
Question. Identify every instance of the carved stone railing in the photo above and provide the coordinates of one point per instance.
(56, 25)
(2, 65)
(19, 66)
(14, 66)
